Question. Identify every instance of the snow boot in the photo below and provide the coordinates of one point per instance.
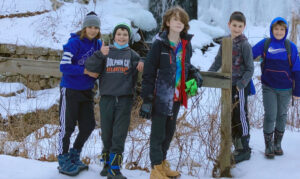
(75, 157)
(66, 166)
(167, 170)
(242, 150)
(157, 172)
(105, 160)
(115, 162)
(277, 142)
(269, 151)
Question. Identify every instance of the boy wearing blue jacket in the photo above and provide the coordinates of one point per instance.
(76, 95)
(280, 80)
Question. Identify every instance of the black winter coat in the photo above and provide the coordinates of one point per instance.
(160, 73)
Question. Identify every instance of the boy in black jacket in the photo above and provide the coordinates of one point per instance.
(167, 68)
(117, 67)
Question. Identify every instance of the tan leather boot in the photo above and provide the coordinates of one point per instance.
(167, 170)
(158, 173)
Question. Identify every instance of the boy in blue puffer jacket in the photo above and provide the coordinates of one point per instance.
(280, 80)
(76, 95)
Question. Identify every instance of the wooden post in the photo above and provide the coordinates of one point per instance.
(295, 23)
(226, 141)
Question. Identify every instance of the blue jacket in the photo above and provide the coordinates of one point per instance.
(75, 53)
(277, 73)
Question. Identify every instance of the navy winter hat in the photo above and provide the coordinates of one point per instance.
(123, 26)
(91, 19)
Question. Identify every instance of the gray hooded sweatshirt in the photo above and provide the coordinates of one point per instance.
(118, 73)
(242, 62)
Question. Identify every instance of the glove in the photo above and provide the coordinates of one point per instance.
(197, 76)
(191, 87)
(146, 108)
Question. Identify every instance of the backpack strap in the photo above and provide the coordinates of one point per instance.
(287, 45)
(266, 46)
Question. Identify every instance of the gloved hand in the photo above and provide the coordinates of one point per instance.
(146, 108)
(197, 76)
(191, 87)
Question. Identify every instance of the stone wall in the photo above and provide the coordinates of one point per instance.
(34, 82)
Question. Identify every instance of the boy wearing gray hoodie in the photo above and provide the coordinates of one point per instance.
(242, 71)
(117, 66)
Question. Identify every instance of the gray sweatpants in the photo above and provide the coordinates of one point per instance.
(276, 106)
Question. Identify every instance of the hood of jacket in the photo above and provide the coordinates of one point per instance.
(163, 36)
(276, 20)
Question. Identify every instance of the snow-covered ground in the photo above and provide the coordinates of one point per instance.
(258, 167)
(25, 100)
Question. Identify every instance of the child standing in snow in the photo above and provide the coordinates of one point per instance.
(118, 66)
(242, 71)
(76, 95)
(280, 80)
(167, 68)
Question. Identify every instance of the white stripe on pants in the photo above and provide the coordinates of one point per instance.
(62, 118)
(243, 112)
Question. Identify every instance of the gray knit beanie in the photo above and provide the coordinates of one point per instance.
(91, 19)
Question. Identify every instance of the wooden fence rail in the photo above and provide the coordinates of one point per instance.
(28, 66)
(51, 68)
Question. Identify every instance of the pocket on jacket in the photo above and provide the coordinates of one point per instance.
(279, 75)
(276, 78)
(165, 60)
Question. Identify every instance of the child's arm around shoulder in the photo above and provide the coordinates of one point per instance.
(135, 58)
(96, 62)
(140, 65)
(258, 48)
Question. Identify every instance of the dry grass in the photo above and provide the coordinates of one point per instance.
(195, 145)
(18, 127)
